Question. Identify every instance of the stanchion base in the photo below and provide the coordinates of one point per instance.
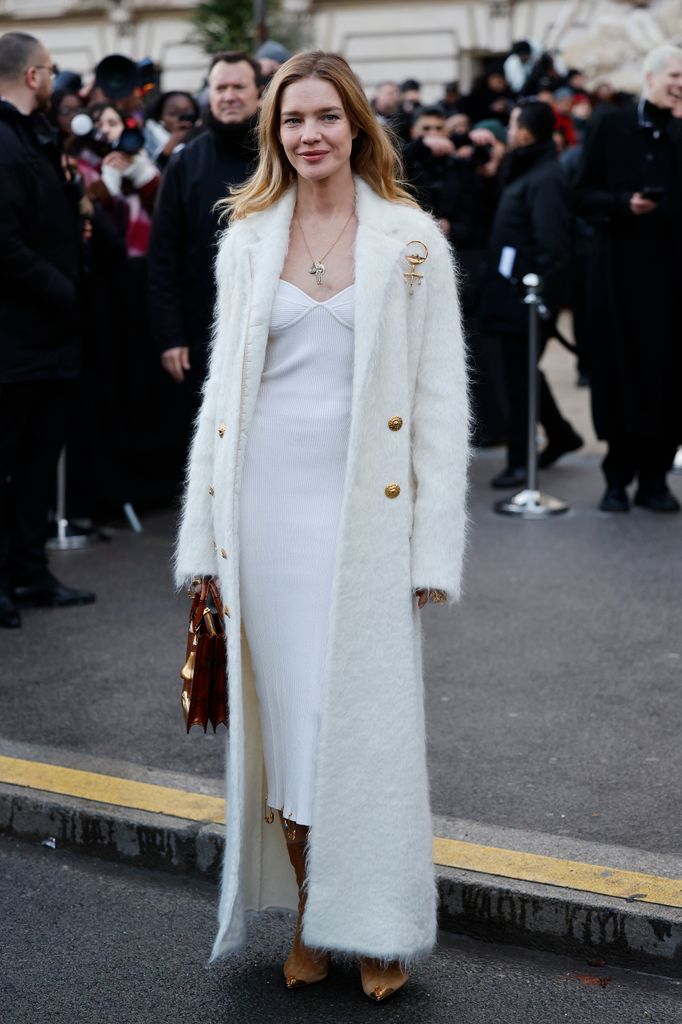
(531, 505)
(68, 538)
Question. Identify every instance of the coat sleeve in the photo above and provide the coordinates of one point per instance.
(167, 247)
(24, 271)
(550, 222)
(440, 434)
(194, 550)
(593, 199)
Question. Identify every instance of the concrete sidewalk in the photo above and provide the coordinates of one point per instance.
(552, 698)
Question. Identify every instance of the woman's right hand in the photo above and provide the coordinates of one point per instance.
(199, 586)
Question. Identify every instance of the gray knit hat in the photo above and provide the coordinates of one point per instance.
(272, 50)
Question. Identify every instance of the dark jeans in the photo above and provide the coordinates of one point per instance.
(515, 358)
(33, 425)
(648, 458)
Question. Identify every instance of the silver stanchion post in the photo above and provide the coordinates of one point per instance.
(66, 538)
(531, 503)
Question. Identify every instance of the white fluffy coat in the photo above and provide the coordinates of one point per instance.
(371, 883)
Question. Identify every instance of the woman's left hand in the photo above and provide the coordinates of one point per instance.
(424, 595)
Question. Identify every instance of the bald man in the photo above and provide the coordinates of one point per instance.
(39, 350)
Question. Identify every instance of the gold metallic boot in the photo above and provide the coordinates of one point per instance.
(379, 982)
(303, 966)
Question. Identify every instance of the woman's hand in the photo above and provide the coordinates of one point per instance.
(176, 138)
(120, 162)
(199, 587)
(424, 594)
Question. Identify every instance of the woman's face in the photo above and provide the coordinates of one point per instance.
(314, 129)
(110, 124)
(69, 106)
(173, 110)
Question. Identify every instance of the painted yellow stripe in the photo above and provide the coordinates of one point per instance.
(489, 860)
(106, 789)
(570, 874)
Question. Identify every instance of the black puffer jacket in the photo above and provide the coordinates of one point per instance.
(183, 243)
(533, 218)
(39, 256)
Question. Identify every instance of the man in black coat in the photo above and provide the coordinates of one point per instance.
(630, 187)
(530, 234)
(183, 242)
(39, 348)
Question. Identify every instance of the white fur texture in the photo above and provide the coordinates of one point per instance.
(371, 883)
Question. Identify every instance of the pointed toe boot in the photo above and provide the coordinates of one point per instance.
(304, 966)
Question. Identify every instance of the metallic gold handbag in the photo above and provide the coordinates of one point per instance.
(204, 674)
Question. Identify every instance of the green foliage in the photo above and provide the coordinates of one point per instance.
(230, 25)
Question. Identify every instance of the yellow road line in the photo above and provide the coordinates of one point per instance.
(569, 874)
(489, 860)
(143, 796)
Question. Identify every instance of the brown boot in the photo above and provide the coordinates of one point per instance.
(379, 982)
(303, 966)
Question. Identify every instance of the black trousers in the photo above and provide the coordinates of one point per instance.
(34, 419)
(647, 458)
(515, 358)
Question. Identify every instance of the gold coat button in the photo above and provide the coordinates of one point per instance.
(392, 491)
(395, 423)
(211, 490)
(223, 552)
(221, 430)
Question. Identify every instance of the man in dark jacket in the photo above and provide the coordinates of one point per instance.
(39, 351)
(183, 243)
(530, 233)
(630, 188)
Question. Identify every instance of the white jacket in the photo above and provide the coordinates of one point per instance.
(370, 883)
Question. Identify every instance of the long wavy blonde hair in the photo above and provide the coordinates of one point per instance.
(374, 157)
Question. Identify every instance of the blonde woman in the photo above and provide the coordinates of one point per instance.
(326, 492)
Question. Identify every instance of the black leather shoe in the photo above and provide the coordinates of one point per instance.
(48, 592)
(657, 501)
(615, 500)
(9, 613)
(555, 449)
(512, 476)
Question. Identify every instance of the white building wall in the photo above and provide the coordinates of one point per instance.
(431, 40)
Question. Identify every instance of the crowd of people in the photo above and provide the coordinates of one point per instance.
(108, 222)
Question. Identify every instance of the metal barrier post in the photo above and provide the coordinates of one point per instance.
(531, 503)
(65, 538)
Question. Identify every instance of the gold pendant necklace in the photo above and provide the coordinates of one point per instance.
(317, 267)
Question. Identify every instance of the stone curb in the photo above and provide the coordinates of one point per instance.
(643, 936)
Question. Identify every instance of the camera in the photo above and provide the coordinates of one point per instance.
(480, 154)
(130, 141)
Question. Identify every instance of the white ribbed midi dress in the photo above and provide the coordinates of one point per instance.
(290, 500)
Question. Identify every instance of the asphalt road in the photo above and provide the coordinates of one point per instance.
(552, 691)
(86, 941)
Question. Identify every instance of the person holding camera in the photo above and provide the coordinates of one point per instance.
(630, 187)
(530, 233)
(181, 290)
(39, 313)
(442, 184)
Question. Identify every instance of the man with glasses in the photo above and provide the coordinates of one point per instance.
(39, 345)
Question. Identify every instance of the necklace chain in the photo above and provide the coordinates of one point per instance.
(317, 267)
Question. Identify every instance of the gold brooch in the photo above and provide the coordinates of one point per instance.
(415, 259)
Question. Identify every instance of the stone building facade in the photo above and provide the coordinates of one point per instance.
(432, 40)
